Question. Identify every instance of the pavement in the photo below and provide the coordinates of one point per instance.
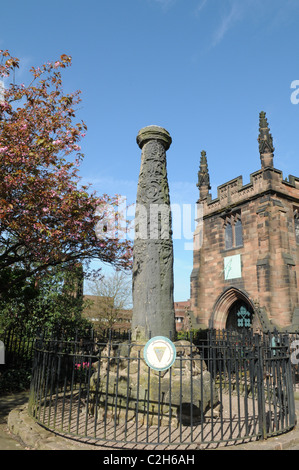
(18, 431)
(8, 441)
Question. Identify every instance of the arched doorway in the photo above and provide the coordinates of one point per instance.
(233, 309)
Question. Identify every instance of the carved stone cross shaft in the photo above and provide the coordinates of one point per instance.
(153, 308)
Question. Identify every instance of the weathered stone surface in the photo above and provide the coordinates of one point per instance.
(153, 307)
(139, 391)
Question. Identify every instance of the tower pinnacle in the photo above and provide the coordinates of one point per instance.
(265, 141)
(203, 177)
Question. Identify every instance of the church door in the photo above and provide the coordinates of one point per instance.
(239, 316)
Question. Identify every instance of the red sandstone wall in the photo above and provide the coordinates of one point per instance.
(269, 253)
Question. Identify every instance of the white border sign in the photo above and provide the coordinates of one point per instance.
(159, 353)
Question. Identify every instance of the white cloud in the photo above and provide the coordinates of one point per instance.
(228, 21)
(200, 6)
(165, 4)
(278, 14)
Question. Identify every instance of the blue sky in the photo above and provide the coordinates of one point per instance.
(203, 69)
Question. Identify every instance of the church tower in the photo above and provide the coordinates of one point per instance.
(246, 269)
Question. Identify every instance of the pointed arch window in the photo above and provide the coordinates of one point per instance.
(296, 221)
(238, 233)
(233, 231)
(228, 236)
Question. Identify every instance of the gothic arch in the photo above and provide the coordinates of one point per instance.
(223, 304)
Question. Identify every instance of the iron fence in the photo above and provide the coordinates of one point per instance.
(18, 348)
(227, 388)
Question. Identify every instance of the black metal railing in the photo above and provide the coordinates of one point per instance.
(18, 348)
(227, 388)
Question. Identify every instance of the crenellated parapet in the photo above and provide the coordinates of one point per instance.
(234, 192)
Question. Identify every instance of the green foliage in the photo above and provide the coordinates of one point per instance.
(52, 301)
(14, 380)
(197, 335)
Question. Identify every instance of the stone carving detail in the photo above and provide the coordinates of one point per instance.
(265, 141)
(203, 177)
(153, 308)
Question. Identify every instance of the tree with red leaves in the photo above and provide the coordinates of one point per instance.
(46, 218)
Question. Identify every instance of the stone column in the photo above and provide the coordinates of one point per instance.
(153, 307)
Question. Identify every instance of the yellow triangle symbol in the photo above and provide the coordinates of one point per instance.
(159, 351)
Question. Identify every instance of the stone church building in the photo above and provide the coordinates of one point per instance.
(245, 273)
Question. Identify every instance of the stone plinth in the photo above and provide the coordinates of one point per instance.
(126, 389)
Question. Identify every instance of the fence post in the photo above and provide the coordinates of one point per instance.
(2, 353)
(291, 397)
(289, 385)
(260, 387)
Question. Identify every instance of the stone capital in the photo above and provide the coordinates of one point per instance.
(154, 133)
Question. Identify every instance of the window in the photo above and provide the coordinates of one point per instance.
(228, 236)
(179, 319)
(240, 316)
(297, 230)
(233, 231)
(238, 233)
